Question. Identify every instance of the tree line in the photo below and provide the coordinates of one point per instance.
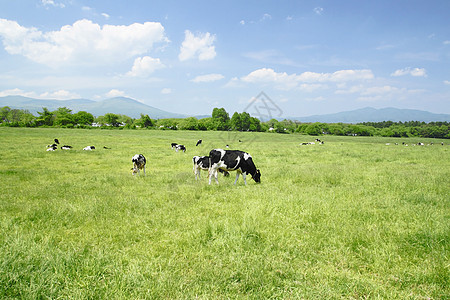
(219, 120)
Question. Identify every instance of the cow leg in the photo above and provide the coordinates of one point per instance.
(144, 170)
(210, 174)
(216, 173)
(243, 176)
(237, 177)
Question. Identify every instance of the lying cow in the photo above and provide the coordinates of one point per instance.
(180, 147)
(232, 160)
(202, 163)
(139, 162)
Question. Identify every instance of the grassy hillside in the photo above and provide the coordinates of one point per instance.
(353, 218)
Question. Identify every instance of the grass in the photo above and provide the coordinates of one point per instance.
(352, 218)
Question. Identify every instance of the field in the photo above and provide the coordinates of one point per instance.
(353, 218)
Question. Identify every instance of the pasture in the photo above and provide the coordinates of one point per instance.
(353, 218)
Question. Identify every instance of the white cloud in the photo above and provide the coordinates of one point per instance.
(208, 78)
(286, 81)
(266, 17)
(318, 10)
(144, 66)
(84, 42)
(242, 22)
(417, 72)
(316, 99)
(105, 15)
(52, 3)
(115, 93)
(57, 95)
(447, 82)
(200, 46)
(379, 90)
(233, 83)
(166, 91)
(446, 42)
(17, 92)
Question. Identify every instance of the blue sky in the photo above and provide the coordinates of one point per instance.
(308, 57)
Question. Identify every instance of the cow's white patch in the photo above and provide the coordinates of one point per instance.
(247, 156)
(222, 153)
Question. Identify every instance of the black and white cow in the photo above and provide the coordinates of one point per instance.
(139, 162)
(232, 160)
(174, 145)
(66, 147)
(202, 163)
(89, 148)
(52, 147)
(180, 147)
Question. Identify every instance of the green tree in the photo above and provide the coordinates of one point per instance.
(111, 119)
(206, 124)
(145, 121)
(221, 118)
(45, 117)
(314, 129)
(63, 116)
(4, 111)
(255, 124)
(83, 118)
(245, 121)
(235, 122)
(189, 124)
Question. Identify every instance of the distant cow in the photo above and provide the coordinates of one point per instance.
(139, 162)
(89, 148)
(202, 163)
(66, 147)
(232, 160)
(180, 147)
(52, 148)
(198, 142)
(174, 145)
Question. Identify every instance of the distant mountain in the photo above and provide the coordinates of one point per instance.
(133, 108)
(370, 114)
(118, 105)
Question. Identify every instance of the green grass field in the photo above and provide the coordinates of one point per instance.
(353, 218)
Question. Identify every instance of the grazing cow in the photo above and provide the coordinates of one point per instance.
(202, 163)
(139, 162)
(180, 147)
(66, 147)
(89, 148)
(198, 142)
(232, 160)
(174, 145)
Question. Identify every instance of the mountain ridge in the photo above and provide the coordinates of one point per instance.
(370, 114)
(134, 108)
(117, 105)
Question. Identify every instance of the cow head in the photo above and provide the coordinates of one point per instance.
(257, 176)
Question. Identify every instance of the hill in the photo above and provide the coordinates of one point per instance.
(370, 114)
(118, 105)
